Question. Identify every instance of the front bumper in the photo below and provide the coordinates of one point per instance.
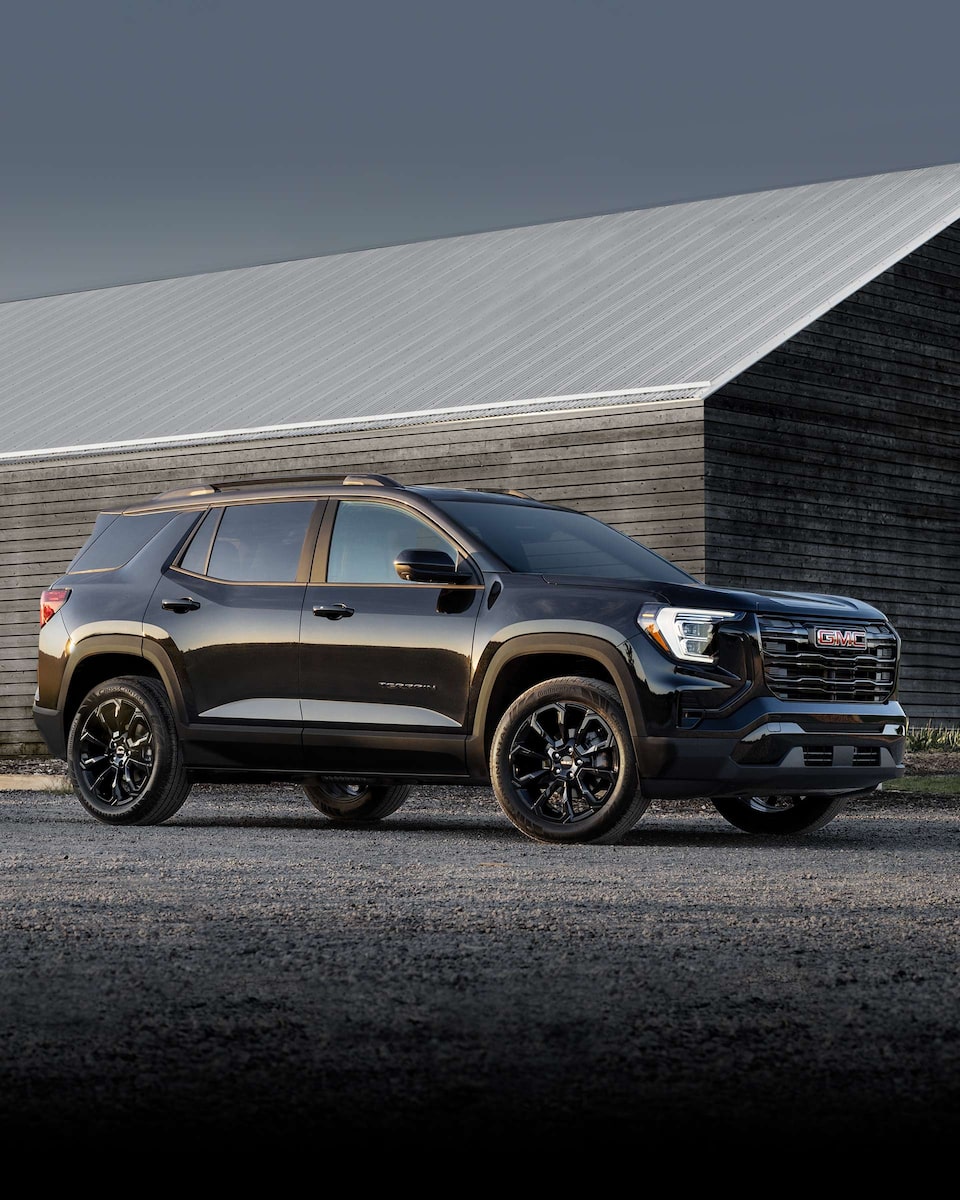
(777, 747)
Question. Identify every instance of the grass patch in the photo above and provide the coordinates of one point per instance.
(932, 737)
(926, 785)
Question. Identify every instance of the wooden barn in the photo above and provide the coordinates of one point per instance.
(764, 388)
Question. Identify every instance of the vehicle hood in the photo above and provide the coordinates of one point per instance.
(797, 604)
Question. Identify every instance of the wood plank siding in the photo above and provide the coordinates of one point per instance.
(639, 467)
(833, 465)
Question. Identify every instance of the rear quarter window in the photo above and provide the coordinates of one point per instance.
(114, 542)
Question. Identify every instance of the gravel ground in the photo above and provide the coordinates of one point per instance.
(248, 975)
(24, 765)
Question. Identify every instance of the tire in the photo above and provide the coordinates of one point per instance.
(356, 803)
(124, 756)
(780, 814)
(563, 766)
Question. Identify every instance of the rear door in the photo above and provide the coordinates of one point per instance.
(228, 616)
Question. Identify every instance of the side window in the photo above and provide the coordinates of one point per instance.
(260, 543)
(118, 541)
(367, 537)
(198, 551)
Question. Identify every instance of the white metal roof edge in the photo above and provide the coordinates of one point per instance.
(827, 305)
(667, 394)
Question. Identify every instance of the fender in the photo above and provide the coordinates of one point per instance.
(611, 657)
(134, 646)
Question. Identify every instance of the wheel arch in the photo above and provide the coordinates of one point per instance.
(525, 661)
(106, 657)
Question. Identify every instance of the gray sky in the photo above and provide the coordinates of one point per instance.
(142, 139)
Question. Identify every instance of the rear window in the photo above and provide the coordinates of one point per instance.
(115, 541)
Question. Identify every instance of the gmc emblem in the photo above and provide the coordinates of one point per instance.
(855, 638)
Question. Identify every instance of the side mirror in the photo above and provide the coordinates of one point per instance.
(429, 566)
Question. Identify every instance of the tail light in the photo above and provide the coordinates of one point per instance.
(51, 601)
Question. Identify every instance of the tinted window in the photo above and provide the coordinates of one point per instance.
(119, 540)
(260, 543)
(551, 541)
(195, 558)
(368, 537)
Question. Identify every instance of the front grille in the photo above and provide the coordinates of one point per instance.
(818, 756)
(795, 668)
(866, 756)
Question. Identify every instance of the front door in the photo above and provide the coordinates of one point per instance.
(385, 663)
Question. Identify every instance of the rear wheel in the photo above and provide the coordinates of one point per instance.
(562, 763)
(123, 754)
(356, 803)
(779, 814)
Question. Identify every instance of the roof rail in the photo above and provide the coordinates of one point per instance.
(380, 480)
(211, 489)
(502, 492)
(200, 489)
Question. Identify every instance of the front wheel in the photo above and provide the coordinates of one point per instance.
(356, 803)
(779, 814)
(562, 763)
(123, 754)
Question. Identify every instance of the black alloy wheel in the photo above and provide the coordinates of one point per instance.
(356, 803)
(563, 766)
(780, 814)
(115, 757)
(123, 755)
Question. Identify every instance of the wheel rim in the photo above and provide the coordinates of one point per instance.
(771, 804)
(564, 762)
(345, 791)
(345, 795)
(115, 752)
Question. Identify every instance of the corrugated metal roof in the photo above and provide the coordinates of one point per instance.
(661, 302)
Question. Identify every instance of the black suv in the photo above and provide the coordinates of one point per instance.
(359, 636)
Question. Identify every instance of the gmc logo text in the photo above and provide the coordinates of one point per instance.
(855, 638)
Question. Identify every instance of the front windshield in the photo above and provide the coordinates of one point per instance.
(550, 541)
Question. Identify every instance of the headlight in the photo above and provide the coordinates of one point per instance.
(684, 633)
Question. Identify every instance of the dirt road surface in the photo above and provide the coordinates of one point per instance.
(249, 971)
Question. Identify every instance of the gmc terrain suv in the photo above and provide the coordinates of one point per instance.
(359, 636)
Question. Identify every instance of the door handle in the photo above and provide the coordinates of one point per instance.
(333, 612)
(184, 604)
